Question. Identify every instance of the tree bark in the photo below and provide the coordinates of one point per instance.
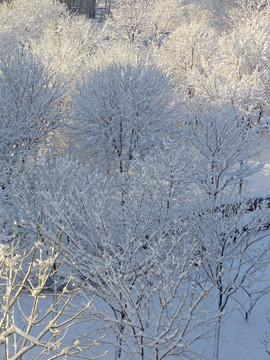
(217, 338)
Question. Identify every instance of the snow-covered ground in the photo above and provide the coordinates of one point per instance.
(258, 185)
(241, 340)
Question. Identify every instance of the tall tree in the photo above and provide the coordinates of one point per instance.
(234, 246)
(30, 105)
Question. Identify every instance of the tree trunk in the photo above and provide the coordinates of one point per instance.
(118, 353)
(217, 338)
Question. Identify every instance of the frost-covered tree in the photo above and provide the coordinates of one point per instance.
(125, 230)
(130, 22)
(247, 40)
(30, 106)
(67, 44)
(41, 327)
(189, 48)
(234, 247)
(151, 291)
(66, 47)
(156, 208)
(245, 53)
(172, 169)
(164, 17)
(121, 109)
(228, 62)
(60, 189)
(64, 190)
(22, 21)
(143, 23)
(224, 145)
(234, 256)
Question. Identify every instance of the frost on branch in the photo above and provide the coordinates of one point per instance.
(35, 308)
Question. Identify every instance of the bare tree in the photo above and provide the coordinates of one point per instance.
(224, 146)
(151, 292)
(234, 256)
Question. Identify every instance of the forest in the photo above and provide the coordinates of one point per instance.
(128, 141)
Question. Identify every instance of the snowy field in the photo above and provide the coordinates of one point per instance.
(242, 340)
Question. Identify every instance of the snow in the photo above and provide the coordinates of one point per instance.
(258, 185)
(241, 340)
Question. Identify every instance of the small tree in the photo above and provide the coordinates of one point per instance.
(234, 256)
(67, 44)
(189, 48)
(152, 295)
(151, 292)
(130, 22)
(43, 324)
